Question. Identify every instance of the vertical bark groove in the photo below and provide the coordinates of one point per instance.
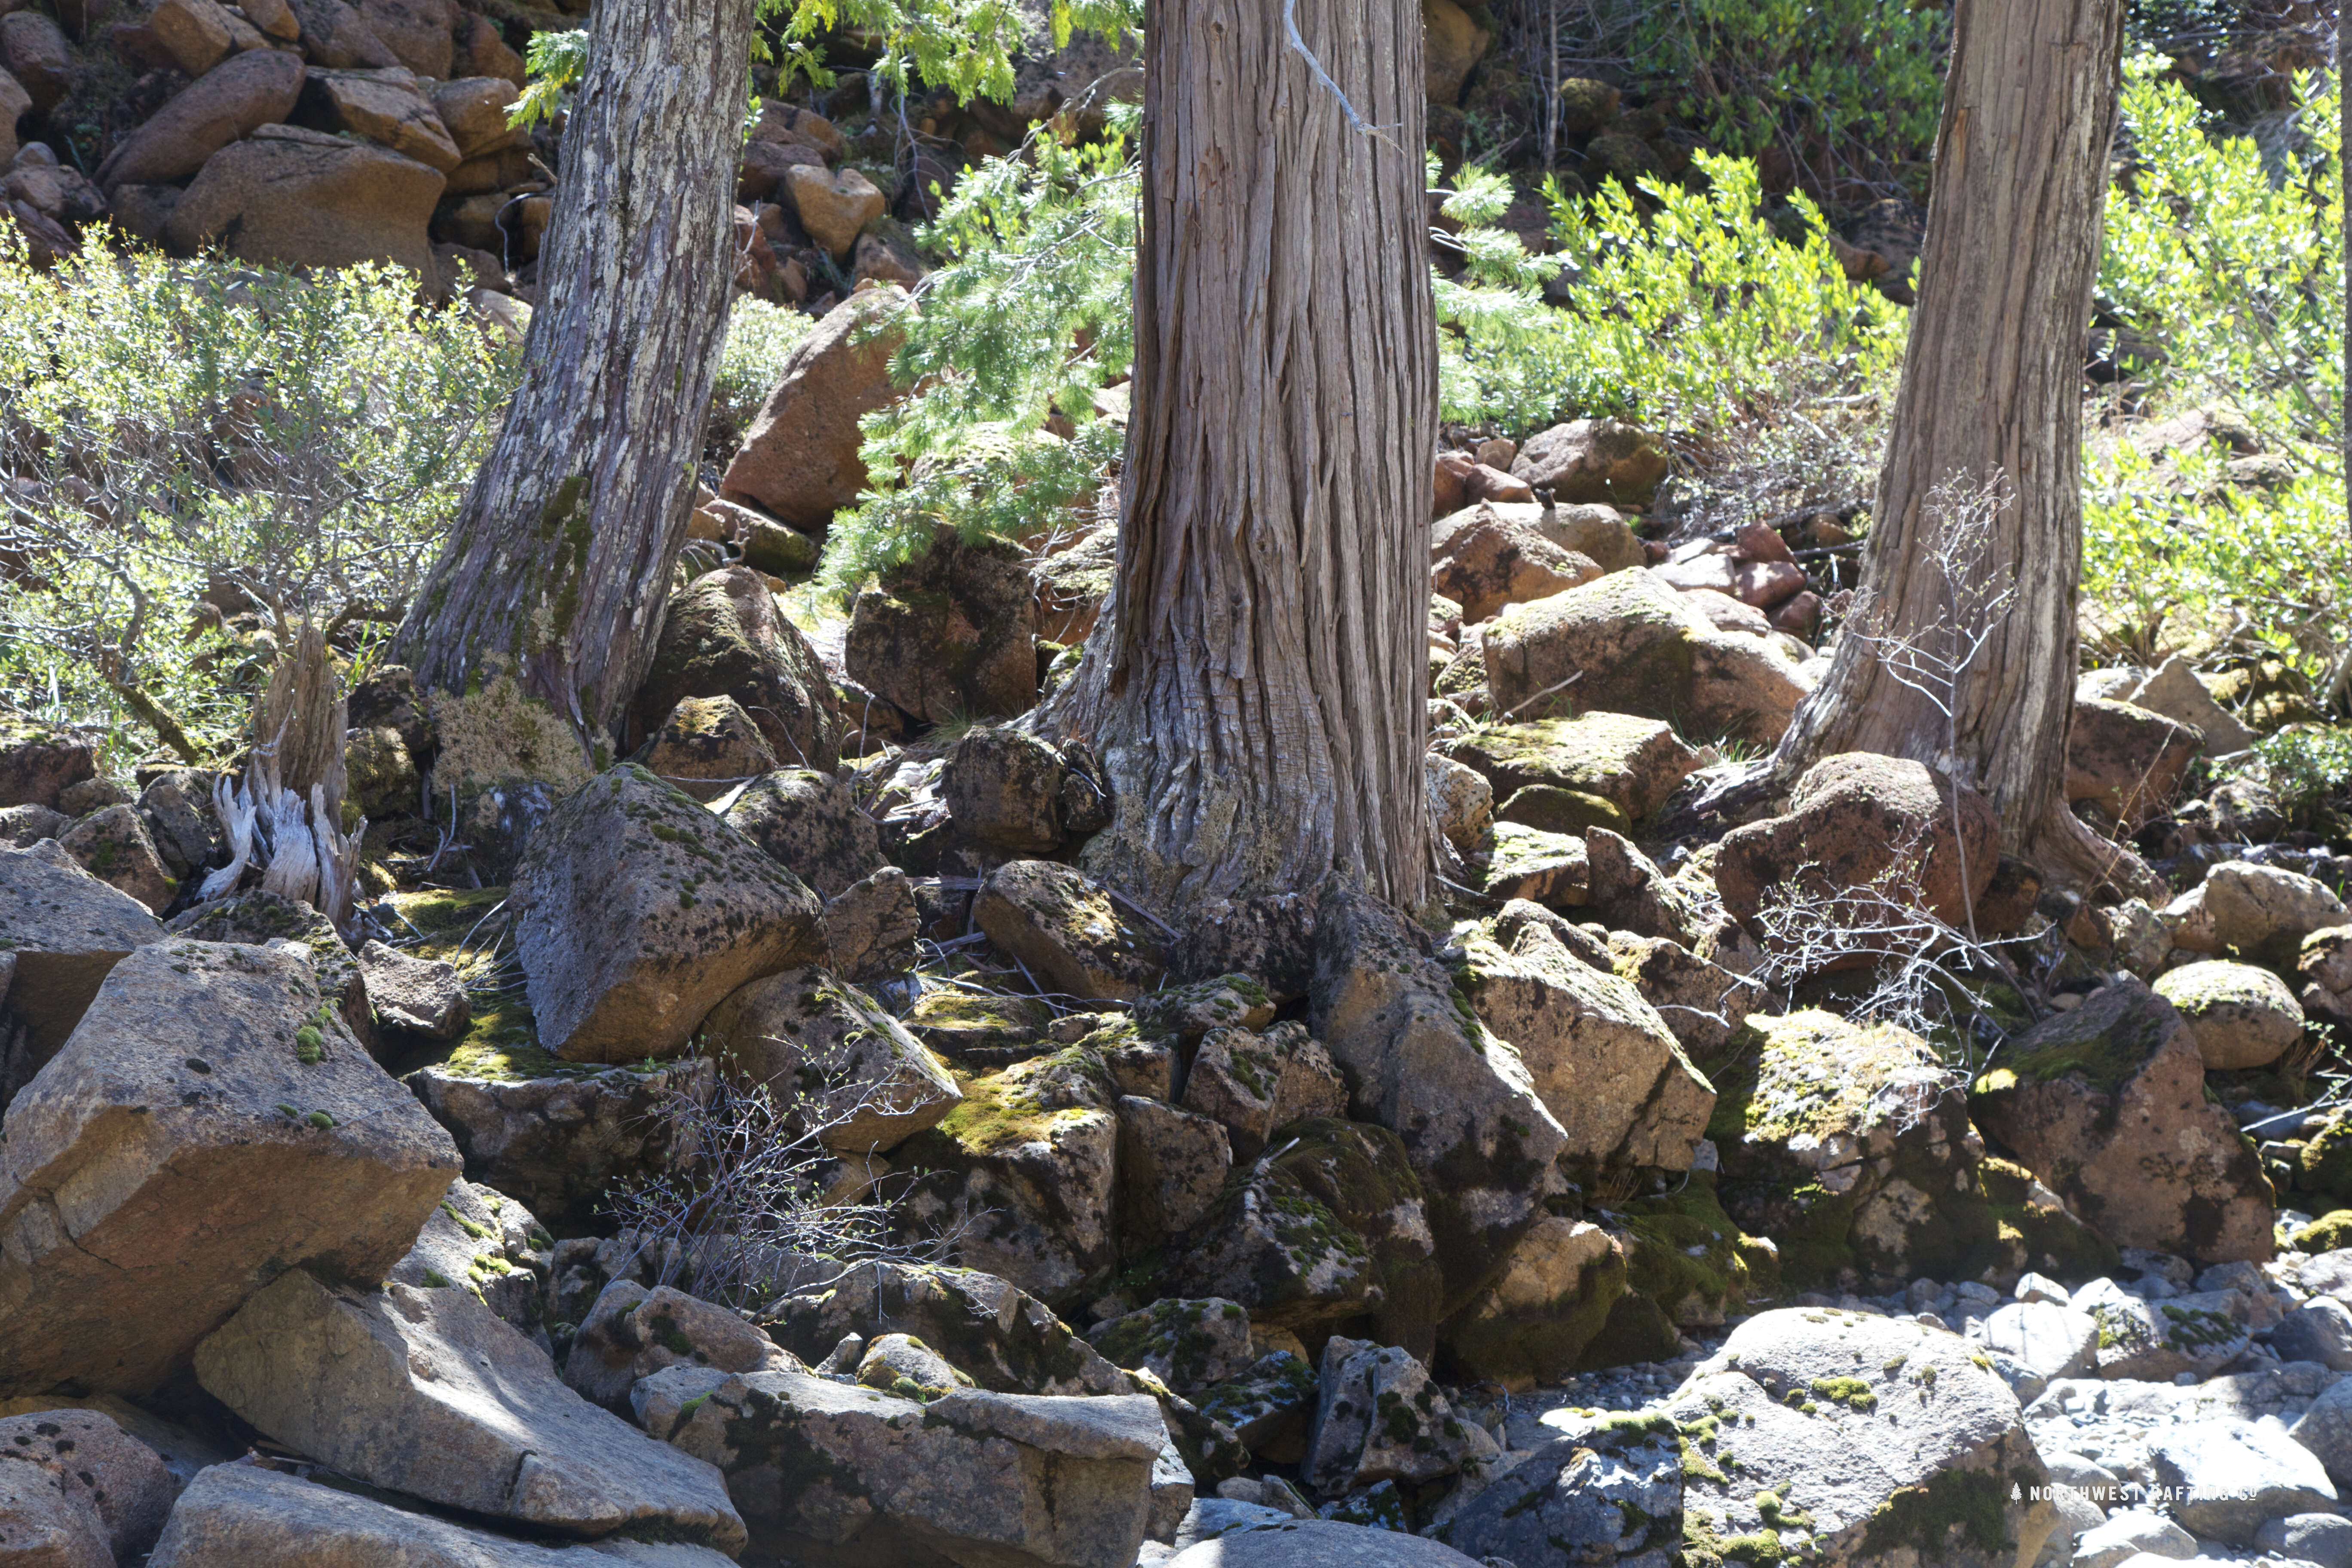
(1992, 385)
(1264, 709)
(560, 557)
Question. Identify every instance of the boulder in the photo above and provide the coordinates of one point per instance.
(1004, 788)
(429, 1392)
(1871, 1439)
(707, 747)
(1531, 1322)
(1548, 869)
(473, 109)
(420, 996)
(85, 1462)
(556, 1134)
(1625, 891)
(386, 107)
(637, 912)
(950, 632)
(195, 33)
(1485, 561)
(417, 32)
(1476, 1132)
(1020, 1173)
(39, 763)
(14, 104)
(2324, 965)
(2320, 1329)
(632, 1333)
(62, 931)
(2173, 691)
(2129, 1534)
(1875, 835)
(1703, 1001)
(2226, 1479)
(1267, 1400)
(2324, 1539)
(480, 1241)
(1173, 1165)
(2052, 1338)
(245, 1515)
(1461, 803)
(1252, 1083)
(1593, 460)
(1608, 1489)
(1380, 1418)
(2127, 761)
(837, 1064)
(1069, 930)
(854, 1473)
(870, 926)
(1632, 763)
(263, 919)
(2106, 1104)
(211, 1120)
(22, 827)
(723, 636)
(2240, 1016)
(1640, 649)
(1190, 1345)
(833, 205)
(1599, 1056)
(338, 38)
(809, 823)
(46, 1519)
(800, 458)
(115, 846)
(34, 51)
(2263, 912)
(1315, 1543)
(292, 197)
(986, 1326)
(1453, 44)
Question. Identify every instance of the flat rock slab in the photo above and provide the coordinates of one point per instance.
(428, 1391)
(62, 930)
(242, 1516)
(211, 1121)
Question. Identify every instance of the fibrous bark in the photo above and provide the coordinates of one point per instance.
(562, 557)
(1260, 702)
(1991, 394)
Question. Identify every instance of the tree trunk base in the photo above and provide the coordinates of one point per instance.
(2070, 857)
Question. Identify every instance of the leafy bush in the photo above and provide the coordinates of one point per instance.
(186, 435)
(2235, 270)
(760, 337)
(2310, 768)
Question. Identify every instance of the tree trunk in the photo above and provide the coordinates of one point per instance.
(560, 559)
(1992, 392)
(1263, 709)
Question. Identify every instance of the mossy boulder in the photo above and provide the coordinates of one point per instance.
(1189, 1344)
(1532, 1321)
(1228, 1001)
(951, 631)
(724, 636)
(258, 917)
(834, 1062)
(1380, 1418)
(39, 761)
(706, 747)
(2242, 1016)
(808, 823)
(2106, 1105)
(1622, 760)
(986, 1326)
(1004, 788)
(114, 845)
(981, 1027)
(1252, 1083)
(1069, 931)
(1543, 868)
(1609, 1488)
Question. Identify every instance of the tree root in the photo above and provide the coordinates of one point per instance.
(2069, 855)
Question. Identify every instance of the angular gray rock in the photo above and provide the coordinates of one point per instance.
(481, 1241)
(211, 1121)
(632, 1333)
(2322, 1538)
(1004, 1338)
(2054, 1340)
(246, 1516)
(808, 824)
(1187, 1344)
(1271, 1395)
(1317, 1543)
(1608, 1489)
(1172, 1166)
(120, 1478)
(419, 996)
(637, 912)
(2158, 1341)
(2225, 1478)
(427, 1392)
(832, 1059)
(1072, 935)
(62, 932)
(46, 1520)
(1380, 1418)
(2319, 1329)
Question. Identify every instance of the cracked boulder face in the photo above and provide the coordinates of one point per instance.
(1856, 1439)
(2106, 1105)
(115, 846)
(481, 1241)
(1850, 1147)
(211, 1120)
(1463, 1104)
(1020, 1173)
(825, 1471)
(834, 1061)
(637, 912)
(428, 1392)
(1173, 1165)
(62, 932)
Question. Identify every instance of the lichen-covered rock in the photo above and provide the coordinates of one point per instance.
(22, 827)
(1333, 1224)
(1640, 649)
(2106, 1104)
(1703, 1003)
(1850, 1147)
(1002, 1337)
(808, 824)
(979, 1027)
(1190, 1345)
(62, 931)
(1633, 763)
(1461, 804)
(261, 918)
(115, 846)
(420, 996)
(1866, 1439)
(84, 1461)
(1532, 1321)
(834, 1061)
(905, 1365)
(1585, 460)
(1597, 1055)
(40, 761)
(2242, 1016)
(1380, 1418)
(44, 1518)
(1865, 830)
(211, 1121)
(1070, 932)
(1228, 1001)
(1254, 1083)
(723, 636)
(632, 1333)
(1480, 1139)
(1004, 788)
(706, 747)
(427, 1392)
(637, 912)
(1020, 1171)
(800, 459)
(1173, 1165)
(871, 926)
(1486, 561)
(178, 810)
(2156, 1341)
(853, 1473)
(2125, 760)
(2261, 913)
(1267, 1400)
(1539, 866)
(481, 1241)
(244, 1515)
(555, 1134)
(1608, 1489)
(1687, 1265)
(951, 631)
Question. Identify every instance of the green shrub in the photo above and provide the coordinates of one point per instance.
(188, 430)
(760, 337)
(2309, 767)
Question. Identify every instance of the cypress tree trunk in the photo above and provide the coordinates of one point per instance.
(560, 559)
(1261, 707)
(1992, 390)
